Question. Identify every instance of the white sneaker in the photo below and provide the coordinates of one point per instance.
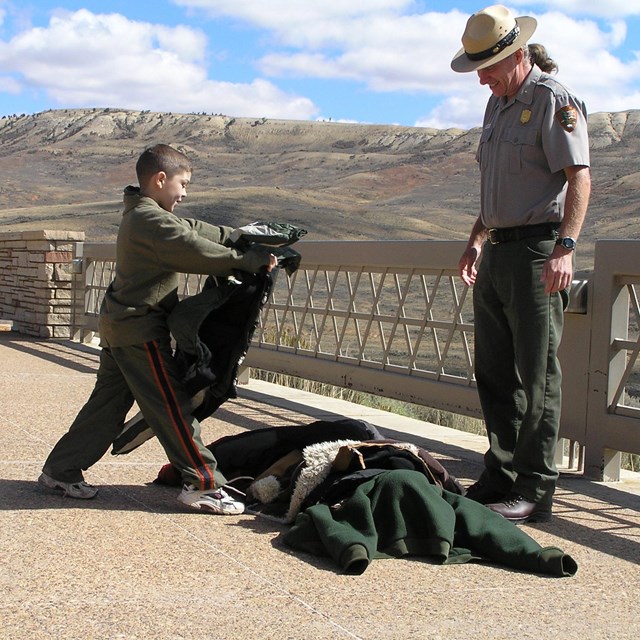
(80, 490)
(211, 500)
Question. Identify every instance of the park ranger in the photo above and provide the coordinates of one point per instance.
(535, 185)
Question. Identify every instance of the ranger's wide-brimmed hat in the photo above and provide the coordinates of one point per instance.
(492, 35)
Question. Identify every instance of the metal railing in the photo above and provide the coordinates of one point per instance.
(395, 320)
(390, 318)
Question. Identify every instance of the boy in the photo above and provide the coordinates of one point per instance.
(136, 363)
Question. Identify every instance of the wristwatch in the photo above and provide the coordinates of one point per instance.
(567, 243)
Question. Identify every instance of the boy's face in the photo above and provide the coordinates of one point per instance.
(170, 191)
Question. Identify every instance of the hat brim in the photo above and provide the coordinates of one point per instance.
(463, 64)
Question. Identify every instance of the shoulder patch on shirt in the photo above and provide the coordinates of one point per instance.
(567, 117)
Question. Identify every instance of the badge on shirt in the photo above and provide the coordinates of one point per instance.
(525, 116)
(567, 117)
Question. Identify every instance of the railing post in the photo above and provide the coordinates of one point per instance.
(606, 432)
(574, 357)
(619, 328)
(78, 293)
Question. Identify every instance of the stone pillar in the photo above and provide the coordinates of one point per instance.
(36, 281)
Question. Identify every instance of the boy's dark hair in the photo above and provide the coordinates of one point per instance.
(161, 157)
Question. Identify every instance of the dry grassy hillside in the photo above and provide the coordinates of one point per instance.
(66, 169)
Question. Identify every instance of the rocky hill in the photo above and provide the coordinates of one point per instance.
(65, 169)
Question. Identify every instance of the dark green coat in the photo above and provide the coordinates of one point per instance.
(399, 513)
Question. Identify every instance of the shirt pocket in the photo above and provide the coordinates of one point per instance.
(520, 146)
(485, 136)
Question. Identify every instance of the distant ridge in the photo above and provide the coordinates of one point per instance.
(66, 169)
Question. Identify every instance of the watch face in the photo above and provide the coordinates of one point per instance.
(568, 243)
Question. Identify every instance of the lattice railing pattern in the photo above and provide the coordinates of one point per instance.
(99, 274)
(626, 397)
(413, 321)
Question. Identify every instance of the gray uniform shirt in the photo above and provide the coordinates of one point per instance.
(526, 143)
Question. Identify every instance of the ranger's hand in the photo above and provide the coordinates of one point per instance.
(467, 265)
(557, 272)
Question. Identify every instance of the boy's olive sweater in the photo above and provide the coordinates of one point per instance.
(153, 247)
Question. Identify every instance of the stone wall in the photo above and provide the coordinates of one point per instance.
(36, 281)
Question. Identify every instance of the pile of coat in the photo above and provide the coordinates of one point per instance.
(347, 493)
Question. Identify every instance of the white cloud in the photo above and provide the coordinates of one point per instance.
(87, 59)
(306, 24)
(585, 52)
(461, 110)
(386, 53)
(595, 8)
(10, 85)
(386, 48)
(277, 14)
(587, 64)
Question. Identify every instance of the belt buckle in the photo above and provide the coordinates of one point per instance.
(493, 236)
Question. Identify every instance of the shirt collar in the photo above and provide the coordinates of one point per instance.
(525, 93)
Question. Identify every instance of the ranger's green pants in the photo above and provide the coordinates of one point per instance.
(518, 328)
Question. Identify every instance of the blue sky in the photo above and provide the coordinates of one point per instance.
(368, 61)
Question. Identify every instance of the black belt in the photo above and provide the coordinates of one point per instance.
(509, 234)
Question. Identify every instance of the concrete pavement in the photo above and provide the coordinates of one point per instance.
(135, 564)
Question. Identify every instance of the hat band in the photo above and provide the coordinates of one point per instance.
(509, 39)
